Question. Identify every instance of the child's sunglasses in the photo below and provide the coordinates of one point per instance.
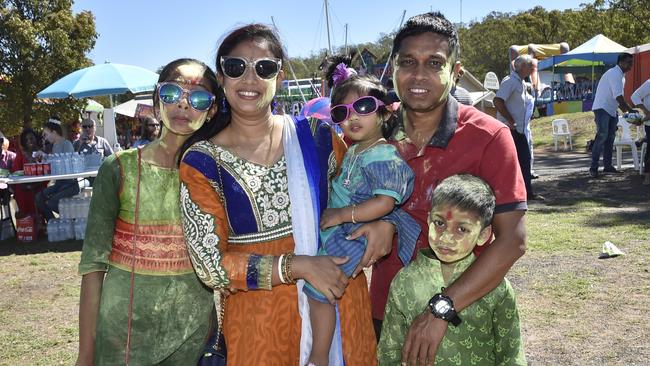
(362, 106)
(171, 93)
(235, 67)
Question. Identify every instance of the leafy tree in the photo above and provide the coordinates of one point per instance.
(485, 43)
(40, 42)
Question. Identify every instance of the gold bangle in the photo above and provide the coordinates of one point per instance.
(288, 274)
(353, 220)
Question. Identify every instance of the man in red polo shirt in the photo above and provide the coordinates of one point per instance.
(438, 137)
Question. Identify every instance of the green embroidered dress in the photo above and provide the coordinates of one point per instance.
(488, 335)
(172, 310)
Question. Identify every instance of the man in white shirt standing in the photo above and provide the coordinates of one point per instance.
(641, 99)
(609, 96)
(514, 108)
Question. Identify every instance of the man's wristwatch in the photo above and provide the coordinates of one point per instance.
(442, 307)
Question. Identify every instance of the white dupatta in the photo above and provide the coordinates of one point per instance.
(305, 225)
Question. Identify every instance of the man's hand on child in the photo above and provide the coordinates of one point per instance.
(422, 340)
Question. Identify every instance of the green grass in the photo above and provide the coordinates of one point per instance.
(581, 125)
(575, 309)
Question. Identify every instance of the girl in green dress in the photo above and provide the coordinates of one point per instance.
(141, 302)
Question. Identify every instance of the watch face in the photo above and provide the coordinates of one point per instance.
(441, 307)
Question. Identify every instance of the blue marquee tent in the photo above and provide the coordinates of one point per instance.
(598, 51)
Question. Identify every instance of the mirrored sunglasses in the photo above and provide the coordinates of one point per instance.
(362, 106)
(171, 93)
(265, 68)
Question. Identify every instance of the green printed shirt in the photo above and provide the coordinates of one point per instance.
(488, 335)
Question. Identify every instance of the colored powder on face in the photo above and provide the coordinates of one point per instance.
(445, 80)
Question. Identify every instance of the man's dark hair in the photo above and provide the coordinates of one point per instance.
(624, 56)
(467, 193)
(433, 22)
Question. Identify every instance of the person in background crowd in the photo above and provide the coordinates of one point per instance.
(513, 103)
(25, 193)
(47, 201)
(89, 142)
(6, 163)
(150, 131)
(641, 99)
(74, 131)
(6, 157)
(609, 96)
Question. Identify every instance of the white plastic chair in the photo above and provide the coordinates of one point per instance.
(561, 131)
(624, 138)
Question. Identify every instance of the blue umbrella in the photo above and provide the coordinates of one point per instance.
(104, 79)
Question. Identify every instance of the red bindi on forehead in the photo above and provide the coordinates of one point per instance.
(449, 215)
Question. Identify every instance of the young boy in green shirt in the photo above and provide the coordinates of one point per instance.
(484, 333)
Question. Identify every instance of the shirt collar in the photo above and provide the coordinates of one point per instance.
(619, 70)
(459, 266)
(515, 75)
(444, 132)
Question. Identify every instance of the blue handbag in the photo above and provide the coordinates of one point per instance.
(215, 352)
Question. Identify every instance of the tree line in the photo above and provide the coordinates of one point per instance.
(485, 42)
(42, 41)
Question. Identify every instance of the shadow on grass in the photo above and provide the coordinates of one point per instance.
(14, 247)
(620, 198)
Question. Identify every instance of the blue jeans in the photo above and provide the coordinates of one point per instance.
(605, 132)
(47, 200)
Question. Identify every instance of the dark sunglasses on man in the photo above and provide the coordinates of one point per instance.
(265, 68)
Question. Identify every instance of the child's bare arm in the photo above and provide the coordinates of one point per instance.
(370, 210)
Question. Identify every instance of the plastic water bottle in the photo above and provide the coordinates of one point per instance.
(58, 164)
(51, 236)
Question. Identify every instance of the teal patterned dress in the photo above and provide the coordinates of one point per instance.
(488, 335)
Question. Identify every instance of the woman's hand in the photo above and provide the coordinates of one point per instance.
(331, 217)
(323, 273)
(379, 235)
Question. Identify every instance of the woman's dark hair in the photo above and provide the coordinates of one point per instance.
(331, 62)
(222, 118)
(56, 127)
(25, 133)
(367, 85)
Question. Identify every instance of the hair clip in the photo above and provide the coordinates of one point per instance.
(55, 121)
(342, 73)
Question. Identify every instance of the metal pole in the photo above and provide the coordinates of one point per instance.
(346, 38)
(293, 74)
(327, 24)
(390, 55)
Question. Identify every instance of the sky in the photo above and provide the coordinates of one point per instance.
(152, 33)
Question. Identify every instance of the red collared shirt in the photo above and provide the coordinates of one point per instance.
(466, 141)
